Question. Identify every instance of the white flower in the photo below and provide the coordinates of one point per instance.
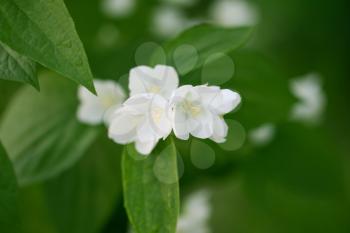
(233, 13)
(142, 119)
(263, 134)
(93, 109)
(162, 80)
(118, 8)
(168, 21)
(199, 111)
(196, 213)
(312, 98)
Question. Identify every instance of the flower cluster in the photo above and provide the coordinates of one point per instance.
(156, 107)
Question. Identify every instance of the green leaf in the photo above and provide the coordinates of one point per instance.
(151, 189)
(41, 132)
(264, 89)
(81, 199)
(16, 67)
(7, 90)
(9, 218)
(200, 43)
(45, 32)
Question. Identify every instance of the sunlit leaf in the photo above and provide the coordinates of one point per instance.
(45, 32)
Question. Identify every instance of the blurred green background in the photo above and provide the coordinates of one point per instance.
(297, 182)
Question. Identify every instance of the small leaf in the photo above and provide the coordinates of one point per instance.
(41, 132)
(45, 32)
(205, 40)
(151, 189)
(16, 67)
(9, 218)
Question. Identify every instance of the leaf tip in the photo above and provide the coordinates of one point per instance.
(90, 86)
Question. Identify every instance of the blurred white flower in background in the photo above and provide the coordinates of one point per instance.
(161, 79)
(143, 120)
(233, 13)
(168, 21)
(118, 8)
(93, 109)
(263, 134)
(199, 111)
(196, 213)
(311, 96)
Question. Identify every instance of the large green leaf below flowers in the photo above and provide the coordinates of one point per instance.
(41, 131)
(151, 188)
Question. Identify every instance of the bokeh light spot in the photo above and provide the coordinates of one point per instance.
(217, 69)
(150, 53)
(202, 155)
(236, 136)
(161, 167)
(185, 51)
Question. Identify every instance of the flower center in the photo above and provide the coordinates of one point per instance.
(154, 89)
(157, 114)
(107, 101)
(191, 108)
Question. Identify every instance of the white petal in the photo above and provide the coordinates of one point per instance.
(162, 80)
(140, 78)
(159, 118)
(220, 101)
(110, 114)
(145, 132)
(179, 123)
(170, 79)
(139, 103)
(220, 130)
(123, 128)
(187, 113)
(230, 100)
(204, 128)
(109, 93)
(90, 113)
(145, 148)
(181, 93)
(86, 96)
(155, 110)
(92, 109)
